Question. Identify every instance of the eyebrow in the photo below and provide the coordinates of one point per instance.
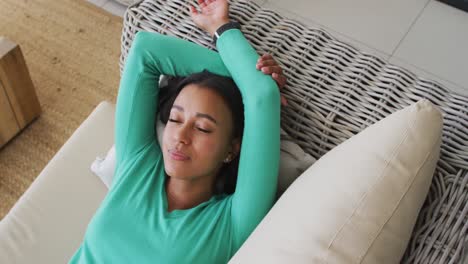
(180, 108)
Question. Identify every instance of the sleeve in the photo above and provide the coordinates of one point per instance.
(151, 55)
(260, 151)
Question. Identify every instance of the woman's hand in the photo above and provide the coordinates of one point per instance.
(268, 65)
(214, 13)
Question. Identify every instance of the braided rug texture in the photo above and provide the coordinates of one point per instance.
(335, 91)
(72, 50)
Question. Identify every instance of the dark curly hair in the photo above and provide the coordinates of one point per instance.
(226, 179)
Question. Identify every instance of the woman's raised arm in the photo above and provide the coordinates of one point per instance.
(259, 155)
(151, 55)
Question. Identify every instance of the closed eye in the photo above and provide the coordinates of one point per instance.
(203, 130)
(173, 120)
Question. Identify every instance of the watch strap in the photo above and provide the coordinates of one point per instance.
(223, 28)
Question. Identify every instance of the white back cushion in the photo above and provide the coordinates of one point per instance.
(47, 224)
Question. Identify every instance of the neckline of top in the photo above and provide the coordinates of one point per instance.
(179, 212)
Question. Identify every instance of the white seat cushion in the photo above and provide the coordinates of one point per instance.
(359, 202)
(48, 222)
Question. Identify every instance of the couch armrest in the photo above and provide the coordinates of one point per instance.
(48, 222)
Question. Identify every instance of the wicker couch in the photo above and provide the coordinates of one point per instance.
(335, 91)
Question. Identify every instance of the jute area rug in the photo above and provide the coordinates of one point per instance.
(72, 50)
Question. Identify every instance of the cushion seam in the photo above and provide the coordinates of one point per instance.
(395, 150)
(429, 155)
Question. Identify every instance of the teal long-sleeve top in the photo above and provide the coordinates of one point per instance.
(132, 224)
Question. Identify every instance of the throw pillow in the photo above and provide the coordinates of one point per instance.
(359, 202)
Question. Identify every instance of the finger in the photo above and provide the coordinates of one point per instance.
(267, 63)
(280, 79)
(276, 67)
(266, 56)
(259, 65)
(201, 3)
(192, 10)
(284, 102)
(272, 69)
(269, 60)
(261, 59)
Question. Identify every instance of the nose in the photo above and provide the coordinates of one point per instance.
(182, 134)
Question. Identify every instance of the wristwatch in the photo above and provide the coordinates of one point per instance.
(223, 28)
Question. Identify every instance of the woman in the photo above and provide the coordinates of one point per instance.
(163, 206)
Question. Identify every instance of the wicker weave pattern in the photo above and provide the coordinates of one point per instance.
(335, 91)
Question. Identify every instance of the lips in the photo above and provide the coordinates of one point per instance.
(177, 155)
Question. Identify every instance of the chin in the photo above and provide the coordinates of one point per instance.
(175, 173)
(176, 169)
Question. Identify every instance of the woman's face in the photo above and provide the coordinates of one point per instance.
(197, 136)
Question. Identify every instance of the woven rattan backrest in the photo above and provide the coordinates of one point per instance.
(335, 91)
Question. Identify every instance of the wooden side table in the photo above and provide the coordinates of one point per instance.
(18, 100)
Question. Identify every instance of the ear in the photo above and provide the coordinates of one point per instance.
(235, 147)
